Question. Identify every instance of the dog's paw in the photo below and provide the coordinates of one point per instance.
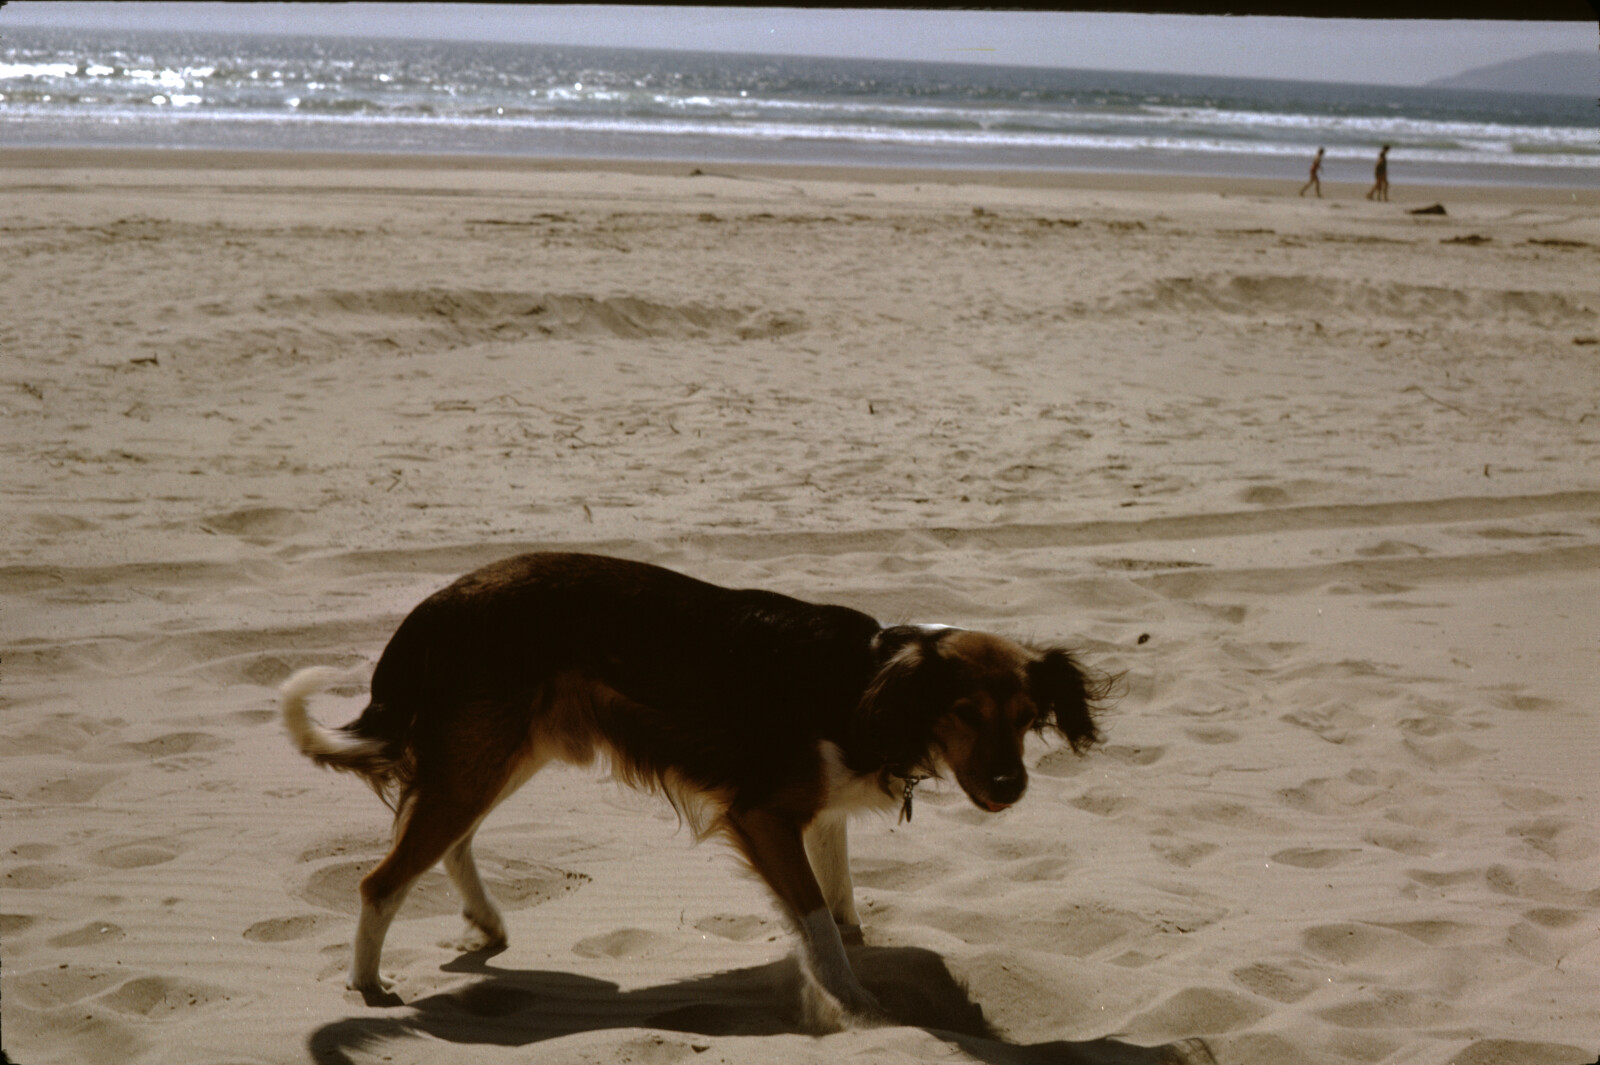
(475, 939)
(374, 990)
(869, 1014)
(847, 1009)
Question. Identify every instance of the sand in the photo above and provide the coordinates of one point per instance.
(1320, 476)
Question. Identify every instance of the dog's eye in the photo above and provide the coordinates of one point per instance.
(967, 711)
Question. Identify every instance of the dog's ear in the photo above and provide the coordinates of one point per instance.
(909, 692)
(889, 642)
(1068, 695)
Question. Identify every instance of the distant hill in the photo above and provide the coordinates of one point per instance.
(1559, 73)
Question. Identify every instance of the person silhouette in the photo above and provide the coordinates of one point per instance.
(1380, 177)
(1316, 175)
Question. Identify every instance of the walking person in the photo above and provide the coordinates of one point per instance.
(1316, 175)
(1380, 177)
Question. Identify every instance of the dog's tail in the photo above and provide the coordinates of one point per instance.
(345, 748)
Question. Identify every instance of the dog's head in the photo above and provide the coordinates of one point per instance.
(967, 700)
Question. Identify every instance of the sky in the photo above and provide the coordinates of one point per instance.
(1388, 52)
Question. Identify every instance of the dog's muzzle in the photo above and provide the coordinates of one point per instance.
(1002, 791)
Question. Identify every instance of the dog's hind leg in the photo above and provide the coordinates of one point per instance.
(476, 905)
(828, 849)
(773, 843)
(416, 848)
(427, 830)
(437, 820)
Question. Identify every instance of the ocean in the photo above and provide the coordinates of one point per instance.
(72, 88)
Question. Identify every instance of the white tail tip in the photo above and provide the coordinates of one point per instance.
(308, 736)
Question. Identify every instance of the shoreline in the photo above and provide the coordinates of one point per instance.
(227, 159)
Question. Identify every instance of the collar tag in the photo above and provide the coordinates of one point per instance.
(905, 798)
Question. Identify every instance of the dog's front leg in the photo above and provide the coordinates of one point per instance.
(828, 849)
(774, 844)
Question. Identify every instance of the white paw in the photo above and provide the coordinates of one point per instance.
(476, 937)
(369, 984)
(823, 1010)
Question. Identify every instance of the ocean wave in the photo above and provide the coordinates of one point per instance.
(447, 94)
(356, 114)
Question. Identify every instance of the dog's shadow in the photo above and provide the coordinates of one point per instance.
(510, 1007)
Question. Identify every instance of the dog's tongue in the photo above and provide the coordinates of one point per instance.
(995, 807)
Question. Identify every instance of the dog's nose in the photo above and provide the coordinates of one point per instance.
(1007, 788)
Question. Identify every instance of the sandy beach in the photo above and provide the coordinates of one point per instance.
(1318, 476)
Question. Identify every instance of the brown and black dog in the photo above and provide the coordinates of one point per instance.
(762, 718)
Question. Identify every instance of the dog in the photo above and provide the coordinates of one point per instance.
(763, 719)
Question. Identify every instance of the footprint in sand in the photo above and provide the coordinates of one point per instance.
(1536, 885)
(266, 669)
(741, 928)
(14, 924)
(1438, 881)
(1264, 495)
(59, 985)
(1197, 1011)
(93, 934)
(1276, 982)
(1442, 751)
(169, 745)
(627, 943)
(54, 734)
(1314, 857)
(1324, 795)
(1437, 933)
(890, 875)
(1348, 943)
(1048, 869)
(995, 850)
(1555, 916)
(1182, 853)
(55, 524)
(1335, 722)
(1391, 549)
(78, 788)
(1134, 755)
(1390, 1008)
(333, 887)
(283, 929)
(1556, 837)
(39, 877)
(137, 854)
(372, 845)
(1239, 815)
(1212, 734)
(1401, 841)
(1505, 1051)
(1078, 931)
(1103, 801)
(260, 525)
(1060, 763)
(1527, 799)
(1550, 934)
(162, 996)
(256, 717)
